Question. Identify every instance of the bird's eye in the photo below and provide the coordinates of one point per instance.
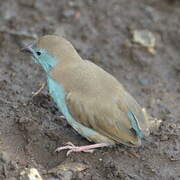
(38, 53)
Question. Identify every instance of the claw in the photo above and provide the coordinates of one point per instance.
(62, 148)
(72, 148)
(78, 149)
(70, 144)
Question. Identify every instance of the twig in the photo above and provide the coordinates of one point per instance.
(39, 90)
(133, 153)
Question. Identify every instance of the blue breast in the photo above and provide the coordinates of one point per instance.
(58, 94)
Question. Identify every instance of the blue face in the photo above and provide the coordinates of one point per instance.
(42, 57)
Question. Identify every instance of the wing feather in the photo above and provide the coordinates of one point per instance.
(106, 118)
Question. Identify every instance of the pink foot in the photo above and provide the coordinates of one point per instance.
(73, 148)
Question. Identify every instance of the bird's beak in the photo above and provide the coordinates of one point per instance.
(27, 49)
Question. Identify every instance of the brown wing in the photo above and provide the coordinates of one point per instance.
(107, 118)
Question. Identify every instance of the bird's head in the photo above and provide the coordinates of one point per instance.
(51, 50)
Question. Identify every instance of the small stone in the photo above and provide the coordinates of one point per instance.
(68, 13)
(143, 81)
(164, 138)
(154, 123)
(142, 158)
(4, 157)
(30, 174)
(13, 165)
(146, 39)
(24, 120)
(72, 3)
(68, 166)
(173, 126)
(66, 169)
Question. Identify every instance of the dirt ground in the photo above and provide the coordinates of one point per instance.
(101, 31)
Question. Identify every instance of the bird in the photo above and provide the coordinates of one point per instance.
(92, 101)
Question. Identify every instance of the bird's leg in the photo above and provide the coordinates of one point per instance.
(73, 148)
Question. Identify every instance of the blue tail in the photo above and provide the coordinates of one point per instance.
(135, 125)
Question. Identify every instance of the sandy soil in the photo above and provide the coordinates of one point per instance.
(30, 128)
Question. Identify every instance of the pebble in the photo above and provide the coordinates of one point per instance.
(164, 138)
(30, 174)
(72, 3)
(4, 157)
(68, 166)
(68, 13)
(143, 81)
(146, 39)
(66, 169)
(172, 125)
(13, 165)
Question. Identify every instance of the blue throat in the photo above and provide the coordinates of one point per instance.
(56, 90)
(46, 60)
(49, 63)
